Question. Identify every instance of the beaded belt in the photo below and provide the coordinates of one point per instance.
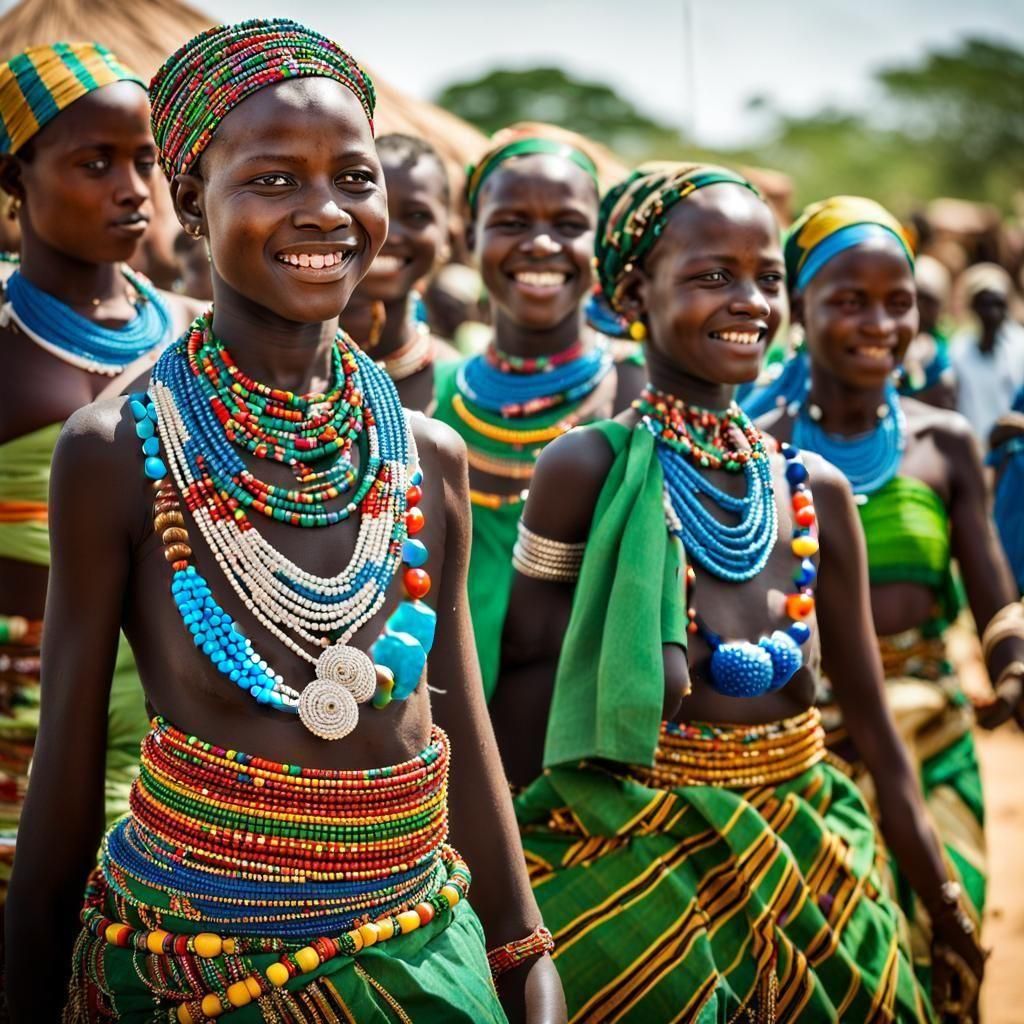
(736, 756)
(263, 848)
(227, 855)
(913, 653)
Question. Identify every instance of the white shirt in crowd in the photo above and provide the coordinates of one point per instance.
(988, 382)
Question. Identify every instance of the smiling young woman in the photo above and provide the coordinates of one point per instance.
(694, 854)
(921, 499)
(386, 315)
(76, 155)
(532, 200)
(287, 555)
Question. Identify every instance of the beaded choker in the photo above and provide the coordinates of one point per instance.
(869, 461)
(688, 440)
(57, 328)
(199, 410)
(515, 387)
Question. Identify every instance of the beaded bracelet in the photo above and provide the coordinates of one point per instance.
(504, 958)
(541, 558)
(1007, 622)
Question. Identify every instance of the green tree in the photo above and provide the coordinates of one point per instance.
(502, 97)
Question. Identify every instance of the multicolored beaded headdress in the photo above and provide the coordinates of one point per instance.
(634, 213)
(510, 143)
(212, 73)
(827, 228)
(35, 86)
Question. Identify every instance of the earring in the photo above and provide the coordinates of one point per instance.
(14, 208)
(638, 330)
(193, 230)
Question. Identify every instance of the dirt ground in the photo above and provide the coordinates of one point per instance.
(1002, 765)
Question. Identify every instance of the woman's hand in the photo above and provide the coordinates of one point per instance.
(958, 964)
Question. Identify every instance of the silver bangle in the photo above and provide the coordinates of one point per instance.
(541, 558)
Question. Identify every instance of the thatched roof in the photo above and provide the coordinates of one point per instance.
(143, 32)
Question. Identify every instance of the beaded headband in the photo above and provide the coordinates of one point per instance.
(219, 68)
(633, 215)
(494, 158)
(35, 86)
(832, 226)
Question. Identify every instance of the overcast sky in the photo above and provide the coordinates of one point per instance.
(692, 63)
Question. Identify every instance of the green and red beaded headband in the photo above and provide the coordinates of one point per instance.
(213, 72)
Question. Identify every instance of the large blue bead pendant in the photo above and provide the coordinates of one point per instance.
(741, 669)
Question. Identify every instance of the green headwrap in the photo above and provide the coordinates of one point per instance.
(526, 146)
(633, 215)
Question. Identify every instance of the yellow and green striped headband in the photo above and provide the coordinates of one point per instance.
(528, 146)
(35, 86)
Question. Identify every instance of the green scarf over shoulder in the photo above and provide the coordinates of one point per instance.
(610, 686)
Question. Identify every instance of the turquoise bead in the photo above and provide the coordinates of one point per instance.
(414, 552)
(403, 654)
(151, 446)
(138, 410)
(154, 468)
(145, 428)
(417, 619)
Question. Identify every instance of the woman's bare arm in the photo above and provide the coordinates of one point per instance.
(62, 821)
(483, 825)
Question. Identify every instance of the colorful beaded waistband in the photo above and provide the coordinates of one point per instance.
(262, 848)
(914, 653)
(736, 756)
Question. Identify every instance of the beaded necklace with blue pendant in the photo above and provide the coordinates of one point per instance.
(690, 440)
(868, 461)
(199, 409)
(56, 327)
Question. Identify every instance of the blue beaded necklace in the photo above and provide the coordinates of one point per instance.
(56, 327)
(509, 393)
(735, 552)
(869, 461)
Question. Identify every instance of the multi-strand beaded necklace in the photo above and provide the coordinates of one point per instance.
(201, 408)
(689, 442)
(507, 407)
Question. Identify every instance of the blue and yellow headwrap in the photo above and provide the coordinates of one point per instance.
(634, 212)
(832, 226)
(35, 86)
(508, 146)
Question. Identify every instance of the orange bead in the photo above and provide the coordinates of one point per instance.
(425, 912)
(799, 606)
(414, 495)
(801, 500)
(414, 521)
(806, 516)
(417, 583)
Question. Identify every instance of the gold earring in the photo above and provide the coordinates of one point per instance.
(638, 330)
(14, 208)
(193, 230)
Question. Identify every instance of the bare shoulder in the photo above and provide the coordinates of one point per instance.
(184, 309)
(437, 442)
(567, 482)
(826, 481)
(778, 424)
(98, 459)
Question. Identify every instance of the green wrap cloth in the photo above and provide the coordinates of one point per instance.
(907, 530)
(609, 689)
(682, 904)
(438, 974)
(25, 477)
